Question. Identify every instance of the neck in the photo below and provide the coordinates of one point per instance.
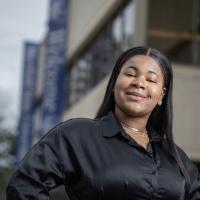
(137, 122)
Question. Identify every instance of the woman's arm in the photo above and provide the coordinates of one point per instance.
(194, 175)
(195, 189)
(195, 180)
(42, 169)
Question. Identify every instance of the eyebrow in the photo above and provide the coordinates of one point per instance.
(131, 67)
(135, 68)
(152, 72)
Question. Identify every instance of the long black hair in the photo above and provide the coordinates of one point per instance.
(162, 114)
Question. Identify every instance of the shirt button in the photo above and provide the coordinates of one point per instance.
(150, 151)
(154, 172)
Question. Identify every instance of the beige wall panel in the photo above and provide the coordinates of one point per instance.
(139, 37)
(186, 108)
(88, 106)
(85, 17)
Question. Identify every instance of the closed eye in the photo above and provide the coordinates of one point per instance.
(152, 81)
(130, 75)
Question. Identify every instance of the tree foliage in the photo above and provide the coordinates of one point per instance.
(7, 146)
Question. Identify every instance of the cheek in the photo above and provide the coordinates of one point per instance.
(156, 92)
(122, 82)
(119, 85)
(118, 90)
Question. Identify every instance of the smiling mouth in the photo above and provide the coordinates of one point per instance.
(136, 96)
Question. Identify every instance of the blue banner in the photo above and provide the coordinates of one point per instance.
(25, 126)
(55, 69)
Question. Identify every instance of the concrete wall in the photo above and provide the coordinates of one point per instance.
(86, 18)
(186, 108)
(89, 104)
(139, 37)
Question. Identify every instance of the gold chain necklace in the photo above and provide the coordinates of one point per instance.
(133, 131)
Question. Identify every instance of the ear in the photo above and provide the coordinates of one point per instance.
(162, 95)
(163, 92)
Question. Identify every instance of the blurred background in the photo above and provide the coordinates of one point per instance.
(57, 55)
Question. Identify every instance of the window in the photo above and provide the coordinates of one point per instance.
(98, 60)
(174, 29)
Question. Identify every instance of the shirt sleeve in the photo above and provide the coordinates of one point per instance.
(42, 169)
(194, 176)
(195, 189)
(195, 180)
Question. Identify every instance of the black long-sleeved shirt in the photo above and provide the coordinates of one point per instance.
(96, 159)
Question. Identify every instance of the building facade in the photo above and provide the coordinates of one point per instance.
(99, 30)
(112, 26)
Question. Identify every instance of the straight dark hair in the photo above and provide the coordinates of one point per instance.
(162, 114)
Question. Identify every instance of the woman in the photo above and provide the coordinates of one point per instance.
(126, 153)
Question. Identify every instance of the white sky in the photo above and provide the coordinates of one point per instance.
(20, 20)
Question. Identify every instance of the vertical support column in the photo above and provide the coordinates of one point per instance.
(140, 22)
(195, 27)
(55, 70)
(25, 127)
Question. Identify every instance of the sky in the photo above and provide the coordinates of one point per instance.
(20, 21)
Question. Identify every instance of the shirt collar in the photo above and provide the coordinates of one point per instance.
(112, 127)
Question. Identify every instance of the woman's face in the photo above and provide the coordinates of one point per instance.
(139, 86)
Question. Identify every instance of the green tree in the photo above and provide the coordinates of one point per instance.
(7, 141)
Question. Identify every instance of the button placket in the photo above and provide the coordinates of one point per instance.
(154, 173)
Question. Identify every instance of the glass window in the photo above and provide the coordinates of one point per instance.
(174, 28)
(94, 65)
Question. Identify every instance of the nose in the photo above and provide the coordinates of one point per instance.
(139, 82)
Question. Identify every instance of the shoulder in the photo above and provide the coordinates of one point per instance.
(76, 127)
(188, 163)
(76, 123)
(183, 155)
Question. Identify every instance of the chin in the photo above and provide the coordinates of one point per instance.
(133, 112)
